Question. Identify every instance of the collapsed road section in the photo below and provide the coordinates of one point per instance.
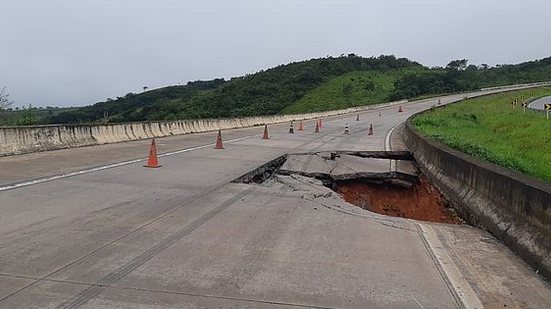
(366, 179)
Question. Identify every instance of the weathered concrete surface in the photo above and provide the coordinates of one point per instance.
(17, 140)
(285, 249)
(184, 236)
(514, 207)
(339, 167)
(492, 272)
(306, 248)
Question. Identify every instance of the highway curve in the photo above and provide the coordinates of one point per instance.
(539, 103)
(91, 227)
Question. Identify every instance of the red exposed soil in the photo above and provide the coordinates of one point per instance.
(421, 202)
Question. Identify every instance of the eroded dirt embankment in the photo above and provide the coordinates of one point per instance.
(366, 179)
(420, 202)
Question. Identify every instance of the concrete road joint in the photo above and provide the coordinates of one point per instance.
(452, 276)
(109, 166)
(115, 276)
(309, 159)
(125, 287)
(139, 228)
(43, 278)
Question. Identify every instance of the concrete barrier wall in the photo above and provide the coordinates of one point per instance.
(513, 207)
(19, 140)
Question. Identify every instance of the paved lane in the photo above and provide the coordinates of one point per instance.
(539, 103)
(184, 236)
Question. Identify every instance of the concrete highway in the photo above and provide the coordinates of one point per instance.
(90, 227)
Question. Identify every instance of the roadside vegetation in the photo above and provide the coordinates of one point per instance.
(299, 87)
(489, 128)
(30, 115)
(351, 89)
(267, 92)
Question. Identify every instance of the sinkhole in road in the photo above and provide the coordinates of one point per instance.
(364, 179)
(422, 201)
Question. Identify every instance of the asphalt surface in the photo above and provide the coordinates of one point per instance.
(539, 103)
(183, 236)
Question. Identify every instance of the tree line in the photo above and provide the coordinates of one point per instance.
(270, 91)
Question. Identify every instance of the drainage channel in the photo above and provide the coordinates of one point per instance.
(365, 179)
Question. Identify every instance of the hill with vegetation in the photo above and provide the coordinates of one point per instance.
(351, 89)
(264, 93)
(306, 86)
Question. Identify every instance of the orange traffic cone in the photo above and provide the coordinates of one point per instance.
(291, 131)
(300, 126)
(219, 144)
(317, 130)
(358, 117)
(346, 129)
(400, 109)
(379, 114)
(370, 130)
(265, 135)
(152, 161)
(321, 126)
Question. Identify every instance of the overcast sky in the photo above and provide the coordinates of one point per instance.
(71, 53)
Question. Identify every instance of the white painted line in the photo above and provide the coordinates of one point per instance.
(109, 166)
(388, 136)
(456, 281)
(387, 146)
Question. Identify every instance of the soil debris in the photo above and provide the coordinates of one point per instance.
(420, 202)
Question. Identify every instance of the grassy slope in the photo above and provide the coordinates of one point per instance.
(352, 89)
(490, 129)
(266, 92)
(304, 86)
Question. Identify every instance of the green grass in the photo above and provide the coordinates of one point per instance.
(14, 117)
(348, 90)
(489, 128)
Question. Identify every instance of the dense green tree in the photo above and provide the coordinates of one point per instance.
(457, 64)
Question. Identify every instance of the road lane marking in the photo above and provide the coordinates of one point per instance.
(388, 148)
(115, 276)
(141, 227)
(109, 166)
(456, 282)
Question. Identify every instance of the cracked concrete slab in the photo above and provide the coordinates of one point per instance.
(305, 187)
(406, 168)
(347, 164)
(496, 276)
(346, 167)
(307, 165)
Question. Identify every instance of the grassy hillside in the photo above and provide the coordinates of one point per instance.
(306, 86)
(489, 128)
(351, 89)
(264, 93)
